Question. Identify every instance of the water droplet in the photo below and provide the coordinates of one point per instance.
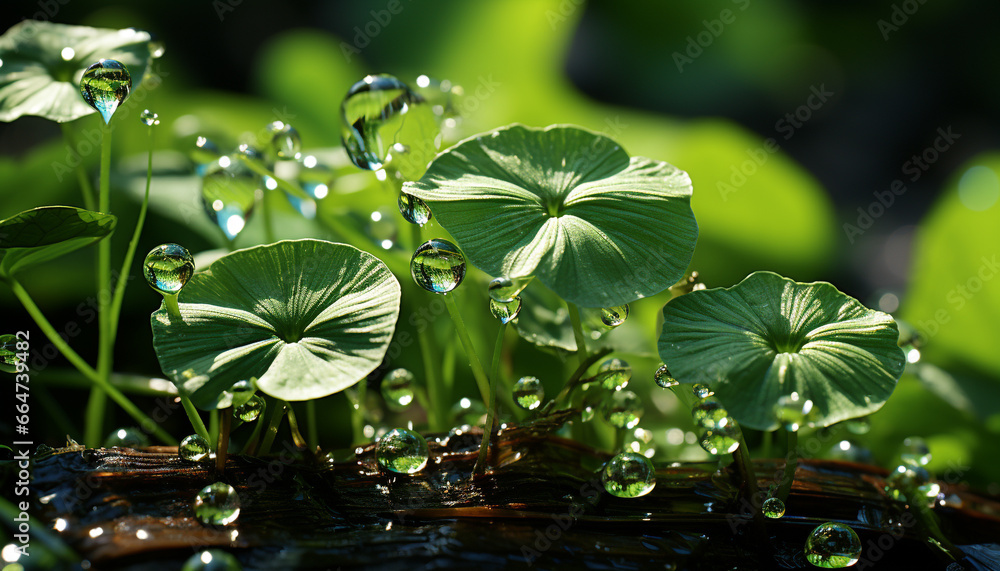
(8, 353)
(468, 412)
(402, 451)
(506, 312)
(528, 393)
(229, 193)
(212, 560)
(285, 140)
(915, 452)
(217, 504)
(373, 116)
(149, 118)
(792, 411)
(156, 47)
(628, 475)
(193, 448)
(858, 426)
(709, 414)
(721, 441)
(623, 409)
(204, 154)
(397, 388)
(250, 410)
(663, 377)
(126, 438)
(168, 267)
(833, 546)
(235, 396)
(414, 210)
(504, 289)
(614, 374)
(702, 391)
(773, 508)
(438, 266)
(587, 413)
(105, 85)
(614, 316)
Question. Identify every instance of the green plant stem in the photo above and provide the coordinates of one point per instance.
(312, 432)
(575, 379)
(766, 443)
(196, 422)
(293, 425)
(123, 275)
(272, 430)
(213, 425)
(105, 347)
(581, 341)
(222, 450)
(265, 206)
(251, 444)
(173, 308)
(437, 393)
(82, 366)
(470, 350)
(86, 189)
(744, 466)
(491, 411)
(791, 463)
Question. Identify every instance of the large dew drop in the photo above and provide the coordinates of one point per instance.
(105, 85)
(773, 508)
(506, 312)
(833, 546)
(504, 290)
(250, 410)
(167, 268)
(623, 409)
(414, 210)
(193, 448)
(217, 504)
(402, 451)
(628, 475)
(614, 374)
(528, 393)
(285, 140)
(614, 316)
(721, 441)
(793, 411)
(229, 192)
(438, 266)
(212, 560)
(397, 389)
(663, 377)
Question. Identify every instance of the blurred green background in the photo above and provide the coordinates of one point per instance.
(855, 95)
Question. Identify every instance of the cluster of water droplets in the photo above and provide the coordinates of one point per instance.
(718, 430)
(910, 481)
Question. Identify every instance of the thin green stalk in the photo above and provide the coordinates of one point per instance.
(251, 444)
(82, 366)
(791, 462)
(170, 302)
(265, 206)
(766, 443)
(491, 411)
(470, 350)
(744, 466)
(96, 403)
(581, 341)
(213, 425)
(437, 393)
(116, 302)
(293, 425)
(222, 450)
(312, 432)
(272, 430)
(196, 422)
(86, 189)
(575, 379)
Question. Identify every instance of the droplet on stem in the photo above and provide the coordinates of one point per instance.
(250, 410)
(773, 508)
(614, 374)
(105, 85)
(506, 312)
(504, 289)
(168, 268)
(438, 266)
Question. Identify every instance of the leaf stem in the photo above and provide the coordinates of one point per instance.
(123, 275)
(192, 413)
(272, 430)
(575, 379)
(437, 392)
(86, 189)
(470, 350)
(581, 341)
(744, 466)
(293, 425)
(170, 302)
(491, 411)
(222, 450)
(82, 366)
(791, 463)
(96, 403)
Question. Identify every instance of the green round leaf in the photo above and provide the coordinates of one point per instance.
(42, 64)
(565, 205)
(307, 318)
(42, 234)
(769, 336)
